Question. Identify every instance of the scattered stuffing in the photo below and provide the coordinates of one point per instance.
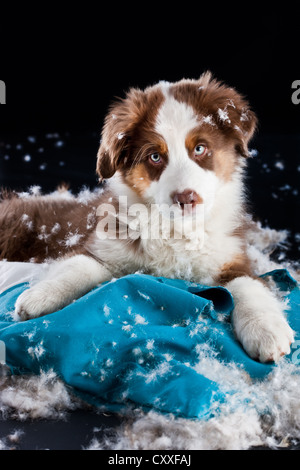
(139, 320)
(35, 397)
(253, 152)
(15, 436)
(56, 228)
(208, 120)
(37, 352)
(72, 239)
(279, 165)
(223, 115)
(35, 190)
(244, 116)
(11, 441)
(86, 195)
(271, 417)
(25, 219)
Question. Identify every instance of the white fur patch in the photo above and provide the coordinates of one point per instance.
(174, 121)
(259, 321)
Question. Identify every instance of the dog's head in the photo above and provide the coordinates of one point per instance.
(176, 142)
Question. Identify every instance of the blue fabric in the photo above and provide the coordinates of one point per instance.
(132, 342)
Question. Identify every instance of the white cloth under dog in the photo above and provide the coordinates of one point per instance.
(12, 273)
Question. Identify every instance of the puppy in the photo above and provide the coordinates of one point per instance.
(172, 159)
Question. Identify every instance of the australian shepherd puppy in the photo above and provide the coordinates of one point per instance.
(172, 159)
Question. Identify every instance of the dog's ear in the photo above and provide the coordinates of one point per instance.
(109, 157)
(116, 133)
(230, 109)
(245, 124)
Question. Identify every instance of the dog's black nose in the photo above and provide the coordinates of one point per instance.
(188, 196)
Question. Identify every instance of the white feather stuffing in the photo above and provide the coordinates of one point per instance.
(235, 427)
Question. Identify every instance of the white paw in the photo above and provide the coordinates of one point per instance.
(37, 301)
(267, 340)
(259, 321)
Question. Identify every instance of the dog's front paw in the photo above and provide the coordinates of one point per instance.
(267, 342)
(37, 301)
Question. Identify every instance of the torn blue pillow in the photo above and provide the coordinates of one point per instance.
(133, 342)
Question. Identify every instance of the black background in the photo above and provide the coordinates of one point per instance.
(62, 67)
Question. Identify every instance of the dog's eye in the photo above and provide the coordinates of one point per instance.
(200, 150)
(155, 158)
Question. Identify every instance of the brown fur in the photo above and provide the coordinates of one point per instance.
(207, 96)
(220, 156)
(38, 227)
(240, 266)
(119, 141)
(138, 179)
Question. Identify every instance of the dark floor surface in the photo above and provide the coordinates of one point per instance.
(76, 432)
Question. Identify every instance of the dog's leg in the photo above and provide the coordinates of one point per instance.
(67, 280)
(258, 320)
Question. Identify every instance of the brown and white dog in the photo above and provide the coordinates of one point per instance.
(182, 145)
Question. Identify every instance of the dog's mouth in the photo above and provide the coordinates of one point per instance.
(188, 210)
(181, 211)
